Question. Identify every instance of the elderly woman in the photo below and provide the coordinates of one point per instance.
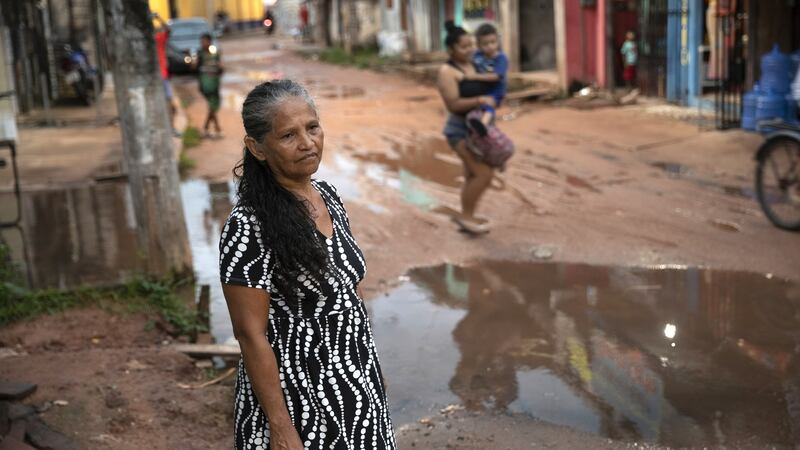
(461, 95)
(309, 375)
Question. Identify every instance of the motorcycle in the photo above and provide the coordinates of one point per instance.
(269, 23)
(78, 74)
(221, 23)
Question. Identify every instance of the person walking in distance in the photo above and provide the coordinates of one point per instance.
(462, 94)
(309, 375)
(162, 40)
(209, 63)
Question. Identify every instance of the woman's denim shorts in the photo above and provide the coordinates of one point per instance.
(455, 129)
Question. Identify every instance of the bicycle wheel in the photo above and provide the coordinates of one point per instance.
(778, 183)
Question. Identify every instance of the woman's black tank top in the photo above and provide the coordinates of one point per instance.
(471, 88)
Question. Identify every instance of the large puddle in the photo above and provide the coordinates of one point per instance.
(681, 357)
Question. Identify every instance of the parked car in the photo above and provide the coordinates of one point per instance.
(184, 43)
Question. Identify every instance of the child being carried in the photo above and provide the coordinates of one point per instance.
(492, 66)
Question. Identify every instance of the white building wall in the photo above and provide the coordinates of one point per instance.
(420, 24)
(369, 19)
(390, 17)
(287, 15)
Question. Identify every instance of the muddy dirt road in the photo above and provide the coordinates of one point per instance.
(664, 314)
(616, 186)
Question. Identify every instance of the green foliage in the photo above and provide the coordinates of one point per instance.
(139, 295)
(185, 163)
(191, 137)
(363, 58)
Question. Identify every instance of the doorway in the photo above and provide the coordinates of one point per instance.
(537, 35)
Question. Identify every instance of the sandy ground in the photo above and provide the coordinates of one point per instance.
(582, 183)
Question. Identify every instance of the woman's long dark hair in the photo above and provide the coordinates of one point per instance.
(287, 227)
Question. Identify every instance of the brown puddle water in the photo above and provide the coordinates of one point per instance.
(681, 357)
(428, 159)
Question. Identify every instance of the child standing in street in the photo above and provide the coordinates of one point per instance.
(492, 65)
(630, 57)
(210, 69)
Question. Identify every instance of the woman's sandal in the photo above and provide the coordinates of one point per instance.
(471, 226)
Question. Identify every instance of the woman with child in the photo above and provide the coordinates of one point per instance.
(472, 85)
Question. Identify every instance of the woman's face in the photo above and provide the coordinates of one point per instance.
(293, 149)
(462, 50)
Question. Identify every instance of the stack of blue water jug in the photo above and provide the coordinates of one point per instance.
(771, 98)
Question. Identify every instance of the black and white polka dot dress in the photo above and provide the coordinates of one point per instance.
(329, 368)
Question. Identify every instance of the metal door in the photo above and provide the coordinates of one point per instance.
(727, 23)
(653, 15)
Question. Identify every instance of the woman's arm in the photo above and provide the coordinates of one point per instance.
(447, 83)
(249, 310)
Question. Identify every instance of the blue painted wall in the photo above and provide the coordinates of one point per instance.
(458, 16)
(684, 37)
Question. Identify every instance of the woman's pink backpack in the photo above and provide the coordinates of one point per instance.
(495, 148)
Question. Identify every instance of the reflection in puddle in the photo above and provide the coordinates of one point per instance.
(82, 235)
(206, 207)
(430, 159)
(681, 357)
(408, 174)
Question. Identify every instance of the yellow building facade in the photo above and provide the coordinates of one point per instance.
(238, 10)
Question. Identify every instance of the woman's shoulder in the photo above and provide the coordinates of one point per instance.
(448, 74)
(448, 69)
(327, 187)
(242, 214)
(240, 219)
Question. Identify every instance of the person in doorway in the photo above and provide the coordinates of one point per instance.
(209, 65)
(492, 66)
(462, 95)
(162, 40)
(630, 58)
(305, 31)
(309, 375)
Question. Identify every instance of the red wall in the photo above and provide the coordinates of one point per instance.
(577, 70)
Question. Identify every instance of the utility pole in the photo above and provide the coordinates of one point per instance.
(149, 157)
